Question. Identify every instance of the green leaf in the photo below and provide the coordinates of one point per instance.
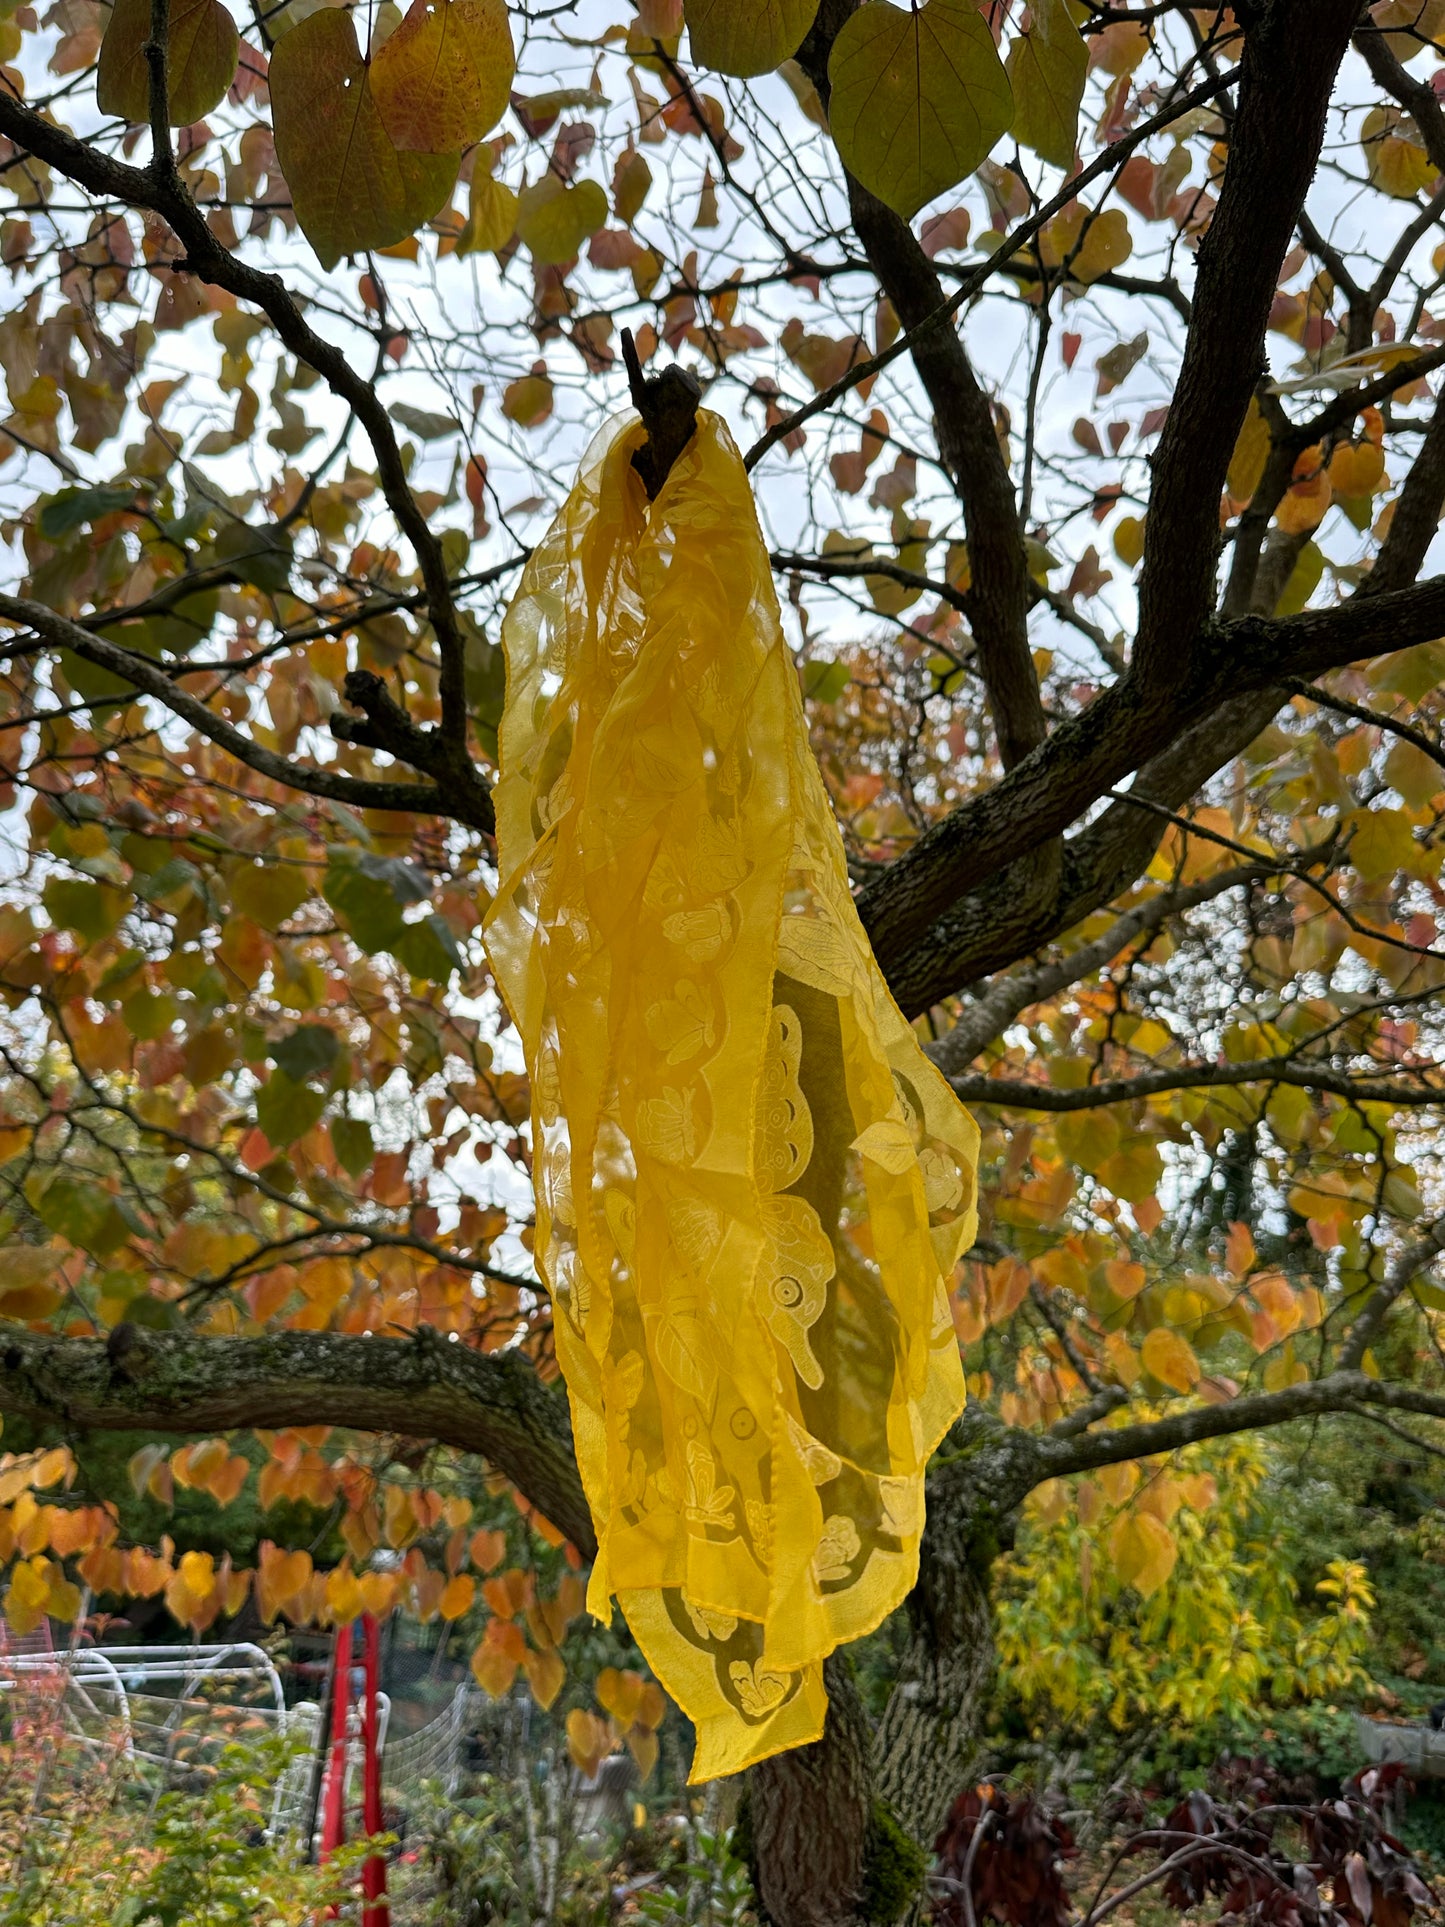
(824, 682)
(553, 221)
(286, 1110)
(176, 630)
(75, 508)
(747, 37)
(268, 893)
(486, 672)
(1304, 580)
(82, 1212)
(443, 78)
(155, 1314)
(1047, 67)
(200, 60)
(425, 426)
(305, 1051)
(260, 556)
(918, 99)
(428, 949)
(1381, 842)
(351, 1140)
(368, 894)
(352, 188)
(91, 910)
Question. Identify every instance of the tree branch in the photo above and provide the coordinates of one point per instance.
(1292, 51)
(1019, 1095)
(151, 679)
(489, 1403)
(89, 167)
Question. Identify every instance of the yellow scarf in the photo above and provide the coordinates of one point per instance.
(752, 1186)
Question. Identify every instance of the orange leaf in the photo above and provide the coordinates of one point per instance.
(589, 1741)
(458, 1597)
(620, 1692)
(545, 1674)
(1239, 1250)
(1170, 1359)
(443, 78)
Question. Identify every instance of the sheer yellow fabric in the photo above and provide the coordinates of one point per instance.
(752, 1186)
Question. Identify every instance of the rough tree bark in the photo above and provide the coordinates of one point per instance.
(838, 1831)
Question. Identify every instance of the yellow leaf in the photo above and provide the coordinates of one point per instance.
(1170, 1359)
(589, 1741)
(1107, 244)
(545, 1674)
(200, 60)
(1118, 1481)
(553, 220)
(642, 1744)
(1251, 452)
(492, 219)
(442, 80)
(1129, 539)
(351, 186)
(493, 1669)
(343, 1595)
(1397, 163)
(1356, 470)
(1143, 1551)
(378, 1592)
(746, 37)
(27, 1595)
(918, 98)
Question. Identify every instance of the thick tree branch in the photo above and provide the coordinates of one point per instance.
(1228, 683)
(1339, 1392)
(1016, 1094)
(1292, 51)
(997, 600)
(489, 1403)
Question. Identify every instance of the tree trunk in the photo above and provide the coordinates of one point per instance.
(841, 1832)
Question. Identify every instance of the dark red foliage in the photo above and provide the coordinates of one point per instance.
(1008, 1852)
(1015, 1872)
(1365, 1870)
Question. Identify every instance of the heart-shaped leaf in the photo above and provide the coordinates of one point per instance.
(747, 36)
(351, 186)
(1047, 67)
(918, 99)
(554, 220)
(201, 52)
(443, 78)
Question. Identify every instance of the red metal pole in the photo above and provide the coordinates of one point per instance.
(333, 1807)
(374, 1911)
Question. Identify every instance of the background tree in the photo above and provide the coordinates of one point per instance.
(1152, 844)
